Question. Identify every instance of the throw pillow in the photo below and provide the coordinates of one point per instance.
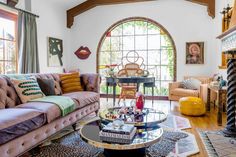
(27, 89)
(47, 86)
(191, 83)
(71, 82)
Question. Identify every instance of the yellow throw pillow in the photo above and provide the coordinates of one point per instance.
(71, 82)
(27, 89)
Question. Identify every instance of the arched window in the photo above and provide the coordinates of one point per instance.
(150, 40)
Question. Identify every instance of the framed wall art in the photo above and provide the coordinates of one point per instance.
(55, 52)
(195, 53)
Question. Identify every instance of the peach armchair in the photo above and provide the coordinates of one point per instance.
(176, 91)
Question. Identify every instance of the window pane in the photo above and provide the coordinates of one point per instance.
(167, 57)
(154, 57)
(140, 27)
(166, 73)
(128, 28)
(116, 57)
(7, 29)
(1, 49)
(106, 45)
(105, 58)
(128, 43)
(164, 88)
(140, 42)
(10, 51)
(10, 67)
(153, 29)
(154, 71)
(116, 43)
(165, 41)
(154, 42)
(117, 31)
(142, 58)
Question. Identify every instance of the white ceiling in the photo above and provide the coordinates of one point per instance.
(67, 4)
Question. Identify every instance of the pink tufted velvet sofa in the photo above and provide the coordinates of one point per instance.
(44, 119)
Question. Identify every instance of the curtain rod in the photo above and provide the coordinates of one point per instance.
(19, 9)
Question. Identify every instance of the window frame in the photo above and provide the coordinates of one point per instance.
(13, 17)
(99, 48)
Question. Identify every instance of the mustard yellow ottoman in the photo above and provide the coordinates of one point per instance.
(192, 106)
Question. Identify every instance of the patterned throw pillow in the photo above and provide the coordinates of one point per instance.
(191, 83)
(27, 89)
(71, 82)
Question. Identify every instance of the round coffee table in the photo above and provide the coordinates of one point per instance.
(90, 134)
(150, 118)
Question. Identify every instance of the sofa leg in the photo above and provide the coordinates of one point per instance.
(74, 126)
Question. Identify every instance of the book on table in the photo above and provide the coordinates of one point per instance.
(125, 129)
(124, 135)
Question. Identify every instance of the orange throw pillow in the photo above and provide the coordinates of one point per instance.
(71, 83)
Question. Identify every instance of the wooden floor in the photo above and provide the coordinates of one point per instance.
(207, 122)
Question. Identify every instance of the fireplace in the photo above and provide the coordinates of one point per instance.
(228, 39)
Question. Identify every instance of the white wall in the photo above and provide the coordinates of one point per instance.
(184, 20)
(51, 23)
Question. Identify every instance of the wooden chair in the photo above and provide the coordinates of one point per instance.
(128, 90)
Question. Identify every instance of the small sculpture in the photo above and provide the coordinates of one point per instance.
(83, 52)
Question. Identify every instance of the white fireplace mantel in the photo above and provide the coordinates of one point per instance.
(228, 40)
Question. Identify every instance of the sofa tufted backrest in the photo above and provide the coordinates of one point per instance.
(56, 79)
(8, 95)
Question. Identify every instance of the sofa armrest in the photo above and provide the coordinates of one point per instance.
(91, 82)
(174, 85)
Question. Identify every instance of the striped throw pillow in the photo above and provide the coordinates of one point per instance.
(27, 89)
(191, 83)
(71, 83)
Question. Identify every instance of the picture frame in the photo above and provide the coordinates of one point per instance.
(195, 53)
(55, 52)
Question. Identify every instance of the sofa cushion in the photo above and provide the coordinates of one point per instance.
(52, 111)
(184, 92)
(83, 98)
(71, 83)
(17, 122)
(47, 86)
(191, 83)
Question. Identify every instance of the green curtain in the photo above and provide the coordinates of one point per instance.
(27, 43)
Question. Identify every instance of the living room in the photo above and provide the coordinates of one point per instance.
(97, 78)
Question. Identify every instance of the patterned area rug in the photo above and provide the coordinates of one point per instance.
(217, 145)
(175, 143)
(176, 122)
(71, 145)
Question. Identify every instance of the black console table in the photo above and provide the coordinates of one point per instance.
(113, 81)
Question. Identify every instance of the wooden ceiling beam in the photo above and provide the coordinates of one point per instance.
(210, 6)
(89, 4)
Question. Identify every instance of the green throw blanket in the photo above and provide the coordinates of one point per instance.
(66, 104)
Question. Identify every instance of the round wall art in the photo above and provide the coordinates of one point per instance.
(83, 52)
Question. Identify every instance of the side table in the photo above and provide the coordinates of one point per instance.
(221, 97)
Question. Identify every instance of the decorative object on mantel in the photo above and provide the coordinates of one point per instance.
(227, 14)
(228, 39)
(195, 53)
(12, 3)
(55, 52)
(83, 52)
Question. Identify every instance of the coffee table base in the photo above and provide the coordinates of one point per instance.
(125, 153)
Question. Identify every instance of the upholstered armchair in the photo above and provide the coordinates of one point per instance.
(176, 91)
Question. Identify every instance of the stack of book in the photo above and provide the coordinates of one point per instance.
(124, 135)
